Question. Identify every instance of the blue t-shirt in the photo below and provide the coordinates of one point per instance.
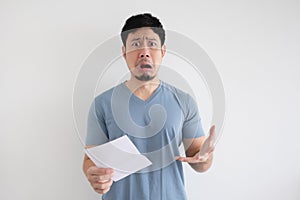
(156, 127)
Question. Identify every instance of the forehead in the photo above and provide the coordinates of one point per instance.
(144, 32)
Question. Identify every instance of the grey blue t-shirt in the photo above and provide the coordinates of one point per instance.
(156, 127)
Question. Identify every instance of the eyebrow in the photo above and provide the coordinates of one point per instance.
(135, 39)
(151, 39)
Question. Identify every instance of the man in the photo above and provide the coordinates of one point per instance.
(159, 118)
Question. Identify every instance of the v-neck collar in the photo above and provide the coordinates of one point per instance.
(139, 100)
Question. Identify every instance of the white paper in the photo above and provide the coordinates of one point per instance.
(120, 155)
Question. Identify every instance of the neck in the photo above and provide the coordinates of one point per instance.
(142, 89)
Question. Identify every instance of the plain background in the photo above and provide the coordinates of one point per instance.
(254, 44)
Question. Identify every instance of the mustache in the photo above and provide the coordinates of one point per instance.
(145, 60)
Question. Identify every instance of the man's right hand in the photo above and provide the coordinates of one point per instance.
(100, 178)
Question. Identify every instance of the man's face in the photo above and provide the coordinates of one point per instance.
(143, 53)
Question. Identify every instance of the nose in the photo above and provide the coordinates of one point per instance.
(144, 53)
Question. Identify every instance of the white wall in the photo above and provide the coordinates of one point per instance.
(254, 44)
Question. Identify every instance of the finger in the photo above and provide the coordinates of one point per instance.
(208, 151)
(211, 150)
(212, 131)
(99, 171)
(210, 155)
(212, 135)
(93, 178)
(104, 178)
(206, 157)
(102, 191)
(100, 179)
(184, 159)
(187, 159)
(103, 186)
(94, 174)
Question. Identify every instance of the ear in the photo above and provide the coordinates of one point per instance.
(163, 50)
(124, 51)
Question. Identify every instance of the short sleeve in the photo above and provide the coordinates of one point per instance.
(192, 127)
(96, 128)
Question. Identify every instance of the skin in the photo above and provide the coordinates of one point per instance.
(143, 48)
(143, 54)
(199, 151)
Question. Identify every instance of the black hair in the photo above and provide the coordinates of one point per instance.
(143, 20)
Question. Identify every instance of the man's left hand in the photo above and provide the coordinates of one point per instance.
(205, 152)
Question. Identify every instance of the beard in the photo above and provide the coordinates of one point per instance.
(144, 77)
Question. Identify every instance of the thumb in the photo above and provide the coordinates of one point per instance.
(212, 135)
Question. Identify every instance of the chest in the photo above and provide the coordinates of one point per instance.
(142, 119)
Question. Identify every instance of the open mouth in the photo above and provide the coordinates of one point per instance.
(146, 66)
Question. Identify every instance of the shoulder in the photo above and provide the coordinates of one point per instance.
(181, 95)
(186, 102)
(102, 102)
(105, 97)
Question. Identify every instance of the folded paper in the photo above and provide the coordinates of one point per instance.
(120, 155)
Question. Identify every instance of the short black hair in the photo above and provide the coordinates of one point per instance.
(140, 21)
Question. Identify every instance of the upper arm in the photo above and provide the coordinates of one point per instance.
(192, 127)
(96, 127)
(192, 132)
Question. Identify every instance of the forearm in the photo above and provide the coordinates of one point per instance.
(203, 166)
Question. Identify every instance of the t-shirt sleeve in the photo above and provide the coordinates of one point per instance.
(192, 127)
(96, 127)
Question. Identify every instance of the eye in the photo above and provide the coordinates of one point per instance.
(135, 44)
(152, 44)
